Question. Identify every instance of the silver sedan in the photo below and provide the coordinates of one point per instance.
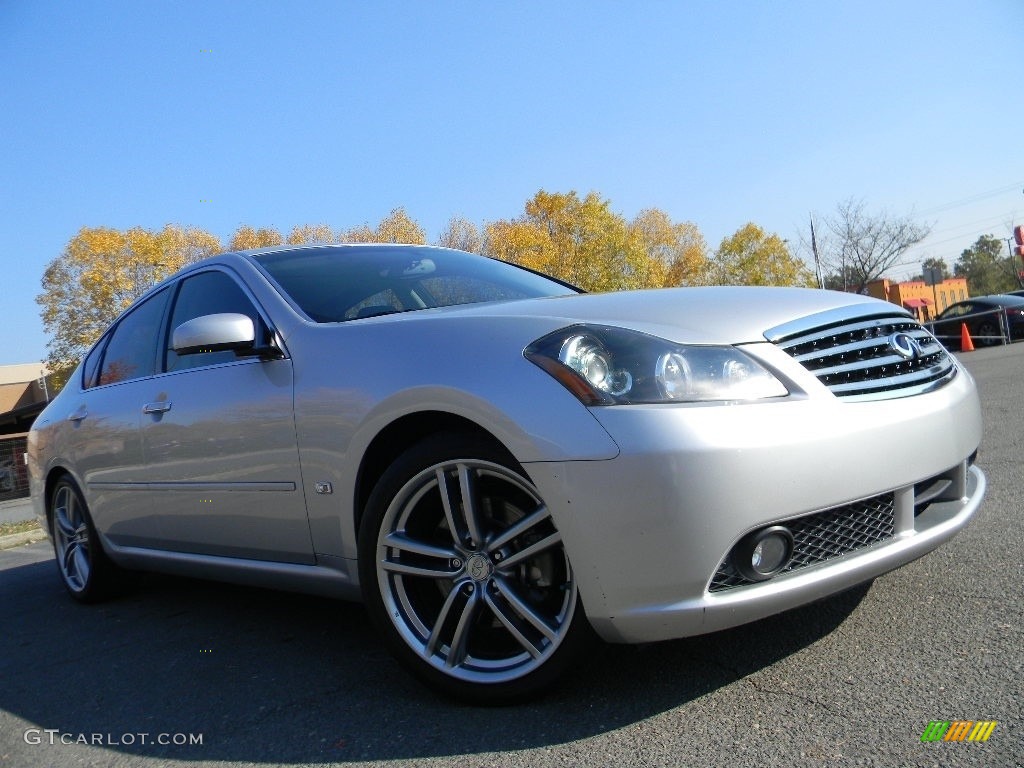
(501, 467)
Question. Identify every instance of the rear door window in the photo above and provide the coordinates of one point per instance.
(131, 352)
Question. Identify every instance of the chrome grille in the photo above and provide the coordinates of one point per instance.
(854, 355)
(825, 535)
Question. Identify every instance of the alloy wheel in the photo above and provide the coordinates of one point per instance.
(473, 573)
(71, 538)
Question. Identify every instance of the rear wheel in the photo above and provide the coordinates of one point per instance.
(86, 572)
(465, 573)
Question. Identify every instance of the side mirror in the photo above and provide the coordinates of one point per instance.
(213, 333)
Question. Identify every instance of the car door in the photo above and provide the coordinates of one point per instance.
(947, 327)
(219, 439)
(103, 424)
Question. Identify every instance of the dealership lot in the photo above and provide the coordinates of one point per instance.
(265, 678)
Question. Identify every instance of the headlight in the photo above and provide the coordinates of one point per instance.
(612, 366)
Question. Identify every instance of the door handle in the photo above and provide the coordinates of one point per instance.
(78, 415)
(161, 407)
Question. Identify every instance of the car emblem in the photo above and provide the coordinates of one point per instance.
(905, 346)
(479, 567)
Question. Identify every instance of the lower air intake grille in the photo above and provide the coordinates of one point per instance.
(825, 535)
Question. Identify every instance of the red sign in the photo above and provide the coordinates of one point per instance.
(1018, 238)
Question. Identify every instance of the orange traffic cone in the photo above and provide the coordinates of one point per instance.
(966, 345)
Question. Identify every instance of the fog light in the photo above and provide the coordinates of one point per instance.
(764, 553)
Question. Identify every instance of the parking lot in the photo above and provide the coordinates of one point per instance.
(266, 678)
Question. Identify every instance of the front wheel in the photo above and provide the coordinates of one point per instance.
(989, 334)
(466, 575)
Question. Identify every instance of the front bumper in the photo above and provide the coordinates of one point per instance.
(647, 531)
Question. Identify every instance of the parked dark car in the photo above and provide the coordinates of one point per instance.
(983, 318)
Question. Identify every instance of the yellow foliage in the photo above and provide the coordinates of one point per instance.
(752, 256)
(99, 274)
(678, 248)
(246, 237)
(462, 235)
(581, 241)
(311, 234)
(396, 227)
(360, 234)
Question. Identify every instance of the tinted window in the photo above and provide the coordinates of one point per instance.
(132, 349)
(344, 283)
(208, 293)
(460, 289)
(955, 310)
(381, 303)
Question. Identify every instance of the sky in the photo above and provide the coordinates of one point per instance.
(216, 114)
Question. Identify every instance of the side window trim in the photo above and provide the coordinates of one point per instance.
(90, 378)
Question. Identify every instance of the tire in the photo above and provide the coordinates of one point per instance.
(490, 615)
(85, 570)
(986, 331)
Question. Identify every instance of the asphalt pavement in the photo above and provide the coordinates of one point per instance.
(265, 678)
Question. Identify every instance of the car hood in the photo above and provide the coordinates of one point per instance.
(713, 315)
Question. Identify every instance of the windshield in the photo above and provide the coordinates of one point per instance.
(334, 284)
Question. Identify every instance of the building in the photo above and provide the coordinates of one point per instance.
(925, 301)
(23, 395)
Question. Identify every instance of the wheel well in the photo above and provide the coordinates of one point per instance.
(51, 480)
(397, 437)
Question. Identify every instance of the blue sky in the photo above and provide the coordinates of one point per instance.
(134, 113)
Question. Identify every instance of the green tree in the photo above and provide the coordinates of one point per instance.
(988, 267)
(99, 273)
(752, 256)
(939, 265)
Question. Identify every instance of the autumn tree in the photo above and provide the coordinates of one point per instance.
(100, 272)
(311, 234)
(246, 237)
(860, 246)
(461, 234)
(988, 267)
(679, 247)
(581, 241)
(396, 227)
(752, 256)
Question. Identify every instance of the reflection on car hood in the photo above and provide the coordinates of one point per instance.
(713, 315)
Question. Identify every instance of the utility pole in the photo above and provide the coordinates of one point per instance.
(932, 275)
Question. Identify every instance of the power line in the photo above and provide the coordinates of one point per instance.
(971, 199)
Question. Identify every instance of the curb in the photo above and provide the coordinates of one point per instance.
(20, 539)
